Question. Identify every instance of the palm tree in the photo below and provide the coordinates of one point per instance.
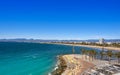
(87, 52)
(94, 53)
(73, 50)
(109, 54)
(118, 56)
(83, 53)
(102, 54)
(90, 53)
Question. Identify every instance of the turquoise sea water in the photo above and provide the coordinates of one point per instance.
(31, 58)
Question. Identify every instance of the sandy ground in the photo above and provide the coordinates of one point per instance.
(99, 47)
(90, 46)
(76, 66)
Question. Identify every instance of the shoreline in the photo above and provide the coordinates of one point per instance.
(76, 65)
(60, 67)
(90, 46)
(99, 47)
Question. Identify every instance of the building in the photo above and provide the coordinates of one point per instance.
(101, 41)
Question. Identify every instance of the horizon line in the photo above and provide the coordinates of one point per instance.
(57, 39)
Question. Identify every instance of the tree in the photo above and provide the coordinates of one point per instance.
(73, 50)
(109, 54)
(90, 53)
(118, 56)
(102, 54)
(83, 53)
(86, 53)
(94, 53)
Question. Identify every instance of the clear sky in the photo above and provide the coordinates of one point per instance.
(60, 19)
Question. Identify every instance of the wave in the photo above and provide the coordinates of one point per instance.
(56, 65)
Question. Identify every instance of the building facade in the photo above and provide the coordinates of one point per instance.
(101, 41)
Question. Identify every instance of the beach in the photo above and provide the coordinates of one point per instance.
(91, 46)
(100, 47)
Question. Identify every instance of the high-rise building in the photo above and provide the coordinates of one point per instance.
(101, 41)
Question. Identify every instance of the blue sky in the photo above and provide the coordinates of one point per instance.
(60, 19)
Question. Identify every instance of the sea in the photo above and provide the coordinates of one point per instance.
(32, 58)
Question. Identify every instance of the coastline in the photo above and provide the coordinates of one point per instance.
(90, 46)
(60, 67)
(79, 65)
(99, 47)
(75, 65)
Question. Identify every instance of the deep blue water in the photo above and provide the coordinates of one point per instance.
(31, 58)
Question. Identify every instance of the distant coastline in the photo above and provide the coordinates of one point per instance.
(90, 46)
(99, 47)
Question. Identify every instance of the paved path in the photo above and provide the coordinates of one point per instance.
(75, 65)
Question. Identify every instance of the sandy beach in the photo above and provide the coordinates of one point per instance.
(99, 47)
(109, 48)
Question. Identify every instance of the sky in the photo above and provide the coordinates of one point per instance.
(60, 19)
